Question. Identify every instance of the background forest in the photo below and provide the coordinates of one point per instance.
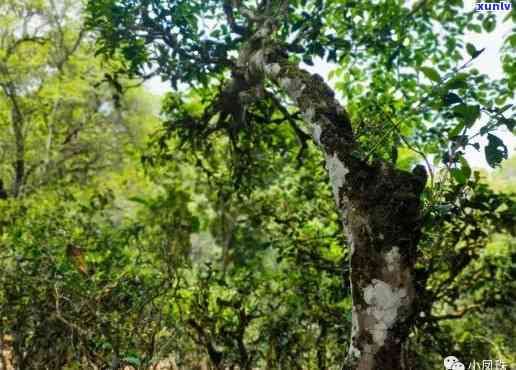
(126, 244)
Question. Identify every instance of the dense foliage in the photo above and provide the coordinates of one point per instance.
(129, 239)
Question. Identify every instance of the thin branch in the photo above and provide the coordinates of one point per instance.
(422, 155)
(302, 136)
(455, 315)
(228, 10)
(60, 317)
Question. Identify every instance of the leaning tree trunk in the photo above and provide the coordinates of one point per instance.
(380, 210)
(379, 204)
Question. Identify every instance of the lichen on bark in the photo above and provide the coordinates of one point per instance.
(379, 207)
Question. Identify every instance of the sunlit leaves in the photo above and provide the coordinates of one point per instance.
(462, 173)
(431, 74)
(512, 40)
(168, 35)
(468, 113)
(457, 82)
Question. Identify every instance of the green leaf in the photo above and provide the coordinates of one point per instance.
(458, 175)
(139, 200)
(456, 130)
(509, 122)
(462, 174)
(471, 49)
(474, 27)
(196, 224)
(348, 316)
(489, 24)
(457, 82)
(431, 74)
(308, 61)
(512, 40)
(451, 98)
(465, 168)
(495, 151)
(469, 113)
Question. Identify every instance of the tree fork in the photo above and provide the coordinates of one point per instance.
(379, 204)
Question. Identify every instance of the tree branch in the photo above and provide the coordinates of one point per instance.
(455, 315)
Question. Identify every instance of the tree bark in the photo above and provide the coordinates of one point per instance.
(379, 206)
(17, 121)
(19, 162)
(380, 211)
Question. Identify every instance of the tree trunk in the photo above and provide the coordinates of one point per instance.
(383, 225)
(380, 210)
(379, 204)
(19, 162)
(19, 139)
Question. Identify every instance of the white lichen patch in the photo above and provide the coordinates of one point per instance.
(276, 69)
(285, 83)
(337, 172)
(384, 302)
(379, 332)
(354, 323)
(294, 87)
(262, 32)
(392, 258)
(257, 59)
(273, 69)
(354, 352)
(297, 91)
(309, 114)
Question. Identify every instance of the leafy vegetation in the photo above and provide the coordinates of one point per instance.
(203, 230)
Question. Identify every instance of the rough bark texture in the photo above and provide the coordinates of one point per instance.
(19, 163)
(379, 204)
(380, 211)
(17, 123)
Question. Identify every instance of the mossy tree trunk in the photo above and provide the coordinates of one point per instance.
(379, 205)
